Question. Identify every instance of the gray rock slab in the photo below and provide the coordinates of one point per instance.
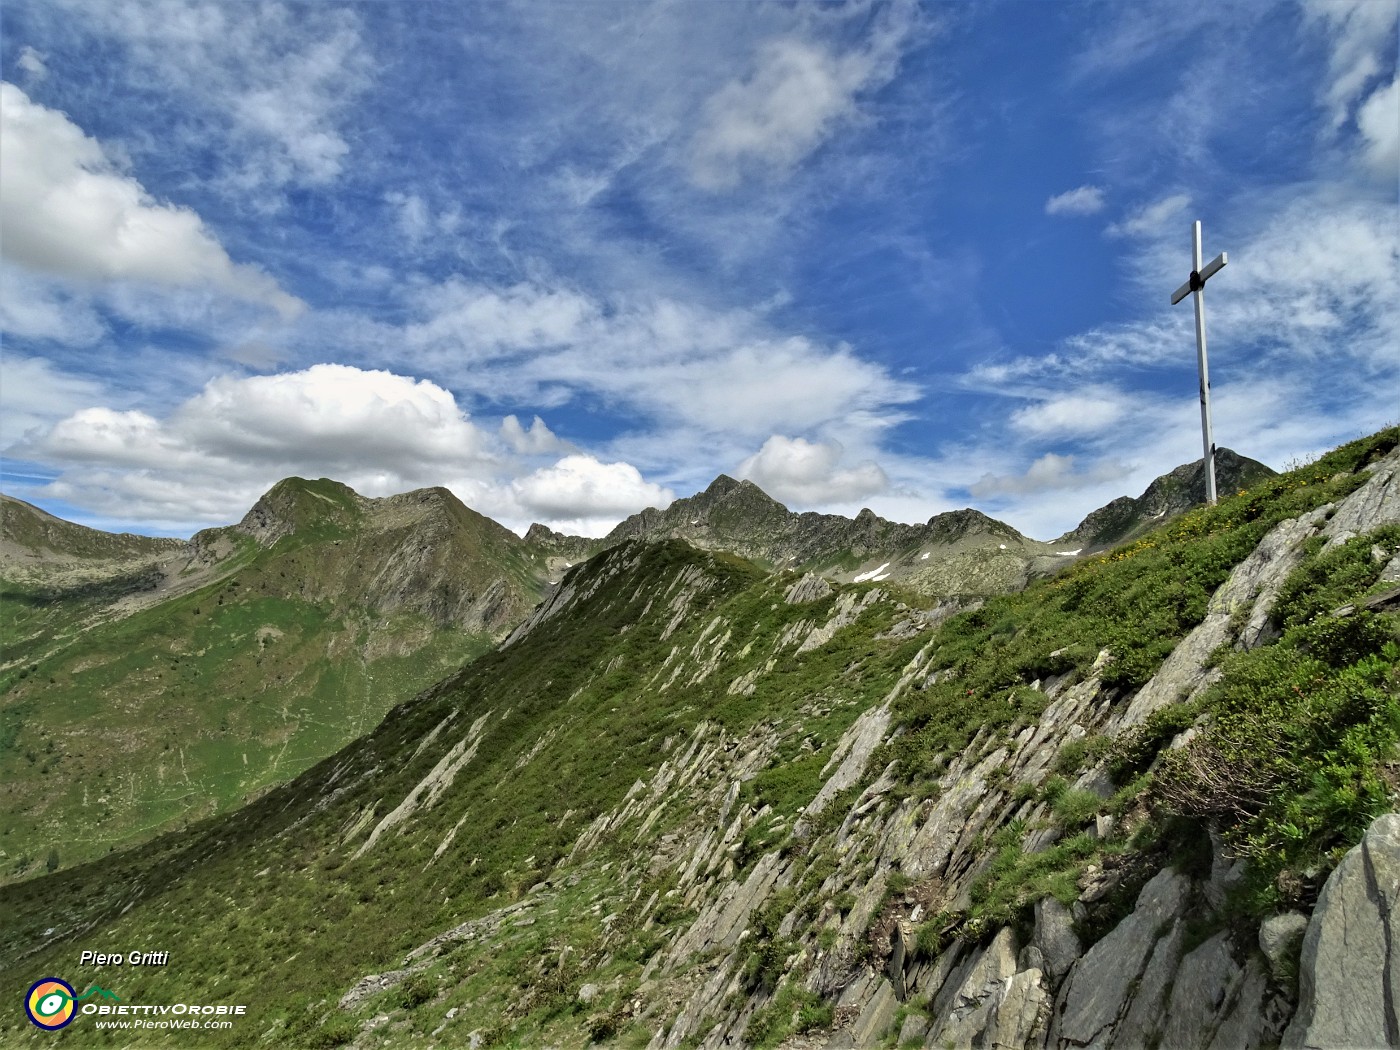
(1098, 986)
(876, 1015)
(1055, 937)
(1207, 981)
(1142, 1025)
(978, 995)
(915, 1027)
(1019, 1017)
(1245, 1023)
(1349, 977)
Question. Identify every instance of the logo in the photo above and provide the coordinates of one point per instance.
(50, 1002)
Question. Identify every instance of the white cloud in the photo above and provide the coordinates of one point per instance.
(1378, 120)
(65, 209)
(34, 308)
(1086, 200)
(206, 461)
(1150, 218)
(1049, 473)
(581, 489)
(376, 431)
(276, 80)
(34, 393)
(1360, 33)
(343, 417)
(679, 365)
(799, 92)
(416, 220)
(536, 441)
(808, 473)
(491, 322)
(32, 63)
(1071, 414)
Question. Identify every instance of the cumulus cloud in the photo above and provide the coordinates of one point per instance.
(65, 209)
(1049, 473)
(799, 92)
(1086, 200)
(377, 431)
(806, 473)
(1149, 219)
(206, 461)
(536, 441)
(337, 415)
(328, 418)
(580, 488)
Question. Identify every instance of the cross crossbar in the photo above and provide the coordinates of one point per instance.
(1198, 280)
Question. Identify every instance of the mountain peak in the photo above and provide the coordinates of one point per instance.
(294, 503)
(722, 486)
(1173, 493)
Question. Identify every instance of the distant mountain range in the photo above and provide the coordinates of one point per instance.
(962, 552)
(145, 682)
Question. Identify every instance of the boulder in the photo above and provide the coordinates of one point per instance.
(1278, 937)
(1349, 976)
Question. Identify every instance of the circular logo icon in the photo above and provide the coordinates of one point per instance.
(49, 1003)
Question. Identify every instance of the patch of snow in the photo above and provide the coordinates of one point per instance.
(568, 565)
(1068, 554)
(923, 556)
(873, 574)
(882, 576)
(695, 521)
(1002, 546)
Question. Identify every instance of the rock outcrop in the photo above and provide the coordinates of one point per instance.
(1349, 976)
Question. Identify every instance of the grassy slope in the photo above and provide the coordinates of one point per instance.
(267, 906)
(112, 731)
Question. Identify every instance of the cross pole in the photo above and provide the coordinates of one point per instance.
(1196, 285)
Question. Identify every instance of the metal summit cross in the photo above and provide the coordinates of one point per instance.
(1196, 284)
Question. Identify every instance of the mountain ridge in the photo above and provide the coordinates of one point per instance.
(702, 805)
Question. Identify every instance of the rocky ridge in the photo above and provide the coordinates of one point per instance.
(848, 929)
(680, 807)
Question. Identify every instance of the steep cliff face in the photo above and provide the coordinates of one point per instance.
(694, 803)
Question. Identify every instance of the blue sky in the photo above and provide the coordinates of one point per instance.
(571, 260)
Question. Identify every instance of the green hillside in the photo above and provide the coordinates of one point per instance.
(692, 800)
(141, 694)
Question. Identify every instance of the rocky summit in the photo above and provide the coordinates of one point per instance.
(692, 800)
